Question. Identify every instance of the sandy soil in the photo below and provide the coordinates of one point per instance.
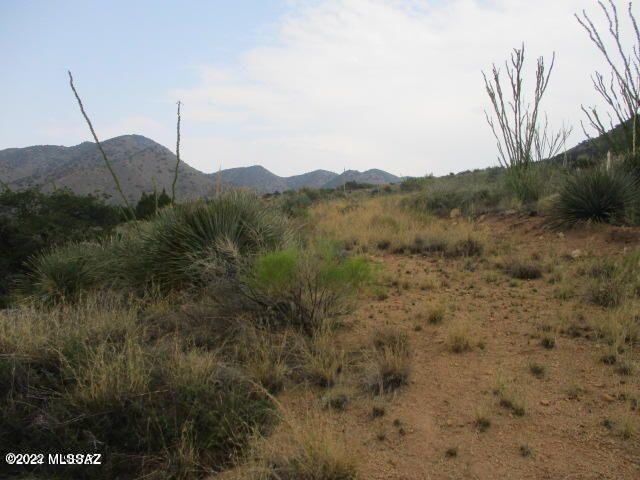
(559, 436)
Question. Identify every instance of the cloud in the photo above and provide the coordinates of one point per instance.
(388, 84)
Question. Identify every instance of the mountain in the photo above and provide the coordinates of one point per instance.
(373, 176)
(255, 178)
(315, 179)
(138, 162)
(142, 165)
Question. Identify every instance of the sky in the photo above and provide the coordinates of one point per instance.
(292, 85)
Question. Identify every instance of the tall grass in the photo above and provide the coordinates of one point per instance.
(86, 378)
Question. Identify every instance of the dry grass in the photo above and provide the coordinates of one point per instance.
(459, 337)
(306, 450)
(322, 361)
(382, 224)
(387, 366)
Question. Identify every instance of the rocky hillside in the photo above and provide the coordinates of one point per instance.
(142, 165)
(139, 162)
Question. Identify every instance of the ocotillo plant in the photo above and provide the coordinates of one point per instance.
(175, 175)
(102, 152)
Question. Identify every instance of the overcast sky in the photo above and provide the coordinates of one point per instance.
(290, 85)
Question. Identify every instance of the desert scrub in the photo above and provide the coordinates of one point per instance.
(387, 364)
(62, 273)
(614, 282)
(596, 195)
(303, 450)
(468, 201)
(181, 247)
(304, 287)
(103, 387)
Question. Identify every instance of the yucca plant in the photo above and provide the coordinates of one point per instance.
(596, 195)
(181, 239)
(61, 273)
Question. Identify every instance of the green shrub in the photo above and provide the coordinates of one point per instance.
(525, 183)
(303, 287)
(597, 195)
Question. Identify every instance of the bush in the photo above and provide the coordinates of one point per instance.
(525, 183)
(597, 195)
(32, 221)
(181, 247)
(304, 287)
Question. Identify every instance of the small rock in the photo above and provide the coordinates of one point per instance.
(577, 253)
(455, 213)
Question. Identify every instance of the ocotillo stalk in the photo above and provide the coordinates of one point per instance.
(175, 175)
(104, 155)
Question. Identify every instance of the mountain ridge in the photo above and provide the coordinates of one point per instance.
(143, 165)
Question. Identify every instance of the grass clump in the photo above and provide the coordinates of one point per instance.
(522, 269)
(387, 367)
(538, 370)
(459, 338)
(305, 451)
(104, 387)
(510, 397)
(322, 361)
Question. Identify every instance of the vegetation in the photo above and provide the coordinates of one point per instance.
(32, 221)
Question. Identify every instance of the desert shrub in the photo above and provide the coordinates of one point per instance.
(150, 204)
(32, 221)
(102, 387)
(235, 224)
(524, 182)
(304, 287)
(468, 246)
(181, 247)
(62, 273)
(597, 195)
(441, 200)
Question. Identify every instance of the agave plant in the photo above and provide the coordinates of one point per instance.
(597, 195)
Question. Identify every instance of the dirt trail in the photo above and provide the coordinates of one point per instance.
(559, 437)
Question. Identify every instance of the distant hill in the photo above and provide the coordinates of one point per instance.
(263, 181)
(142, 165)
(138, 161)
(373, 176)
